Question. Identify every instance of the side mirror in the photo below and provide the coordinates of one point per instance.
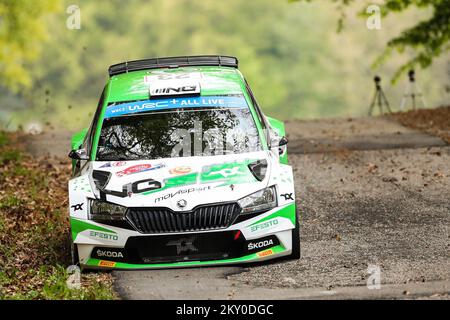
(283, 141)
(279, 142)
(79, 154)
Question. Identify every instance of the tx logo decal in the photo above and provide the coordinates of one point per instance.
(184, 244)
(77, 207)
(288, 196)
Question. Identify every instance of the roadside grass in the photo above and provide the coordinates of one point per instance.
(3, 138)
(34, 250)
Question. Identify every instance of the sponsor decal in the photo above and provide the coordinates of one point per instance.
(109, 254)
(104, 263)
(176, 103)
(180, 170)
(184, 245)
(112, 254)
(138, 168)
(288, 196)
(264, 225)
(77, 207)
(135, 187)
(103, 236)
(262, 243)
(113, 164)
(265, 253)
(175, 88)
(171, 76)
(183, 191)
(227, 172)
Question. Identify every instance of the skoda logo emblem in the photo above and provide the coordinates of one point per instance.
(181, 203)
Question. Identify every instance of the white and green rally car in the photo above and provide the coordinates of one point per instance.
(180, 167)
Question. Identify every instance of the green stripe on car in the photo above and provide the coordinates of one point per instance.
(78, 226)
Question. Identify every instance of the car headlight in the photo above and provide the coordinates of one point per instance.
(265, 199)
(102, 211)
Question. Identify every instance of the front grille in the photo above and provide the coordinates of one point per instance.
(164, 220)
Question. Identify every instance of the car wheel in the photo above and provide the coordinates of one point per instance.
(75, 260)
(295, 254)
(295, 242)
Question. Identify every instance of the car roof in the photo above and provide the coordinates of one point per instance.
(214, 80)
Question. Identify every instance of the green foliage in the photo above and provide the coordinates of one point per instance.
(10, 201)
(278, 57)
(22, 31)
(34, 231)
(10, 156)
(428, 38)
(3, 138)
(295, 62)
(79, 62)
(55, 287)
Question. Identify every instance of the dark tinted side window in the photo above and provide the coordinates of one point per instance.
(93, 128)
(259, 113)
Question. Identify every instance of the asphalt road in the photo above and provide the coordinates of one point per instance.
(385, 208)
(372, 194)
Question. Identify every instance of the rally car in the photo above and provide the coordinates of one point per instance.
(180, 167)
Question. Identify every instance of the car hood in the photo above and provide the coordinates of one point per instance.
(179, 183)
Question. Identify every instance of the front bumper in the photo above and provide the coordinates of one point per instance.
(263, 237)
(272, 253)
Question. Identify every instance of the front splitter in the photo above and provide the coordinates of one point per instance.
(266, 254)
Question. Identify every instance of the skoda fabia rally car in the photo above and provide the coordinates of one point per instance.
(180, 167)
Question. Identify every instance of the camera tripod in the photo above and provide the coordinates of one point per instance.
(412, 91)
(379, 98)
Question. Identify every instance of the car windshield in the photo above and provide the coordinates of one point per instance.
(178, 133)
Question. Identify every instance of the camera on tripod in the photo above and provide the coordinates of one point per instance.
(379, 98)
(412, 91)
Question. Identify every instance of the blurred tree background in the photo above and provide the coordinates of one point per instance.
(296, 63)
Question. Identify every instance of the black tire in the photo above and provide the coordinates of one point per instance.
(295, 255)
(74, 258)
